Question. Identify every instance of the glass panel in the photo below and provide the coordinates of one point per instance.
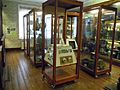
(90, 20)
(47, 30)
(48, 45)
(38, 33)
(60, 31)
(71, 27)
(28, 35)
(31, 37)
(117, 41)
(74, 27)
(106, 34)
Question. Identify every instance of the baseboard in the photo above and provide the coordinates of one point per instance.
(11, 49)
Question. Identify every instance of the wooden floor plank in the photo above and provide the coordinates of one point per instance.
(24, 76)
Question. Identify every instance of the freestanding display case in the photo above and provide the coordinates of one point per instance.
(116, 50)
(63, 65)
(35, 36)
(26, 34)
(98, 40)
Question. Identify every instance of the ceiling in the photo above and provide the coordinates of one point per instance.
(35, 1)
(41, 1)
(86, 2)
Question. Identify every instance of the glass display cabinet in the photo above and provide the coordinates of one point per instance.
(97, 44)
(35, 36)
(26, 28)
(58, 56)
(116, 50)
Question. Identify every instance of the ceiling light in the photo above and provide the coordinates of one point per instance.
(39, 13)
(94, 11)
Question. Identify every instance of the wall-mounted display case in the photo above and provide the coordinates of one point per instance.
(60, 58)
(98, 40)
(35, 36)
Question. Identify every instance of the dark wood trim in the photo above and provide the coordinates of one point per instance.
(29, 35)
(97, 40)
(107, 3)
(54, 47)
(34, 29)
(71, 27)
(113, 38)
(11, 49)
(43, 39)
(52, 29)
(71, 3)
(64, 26)
(79, 37)
(58, 30)
(24, 29)
(1, 20)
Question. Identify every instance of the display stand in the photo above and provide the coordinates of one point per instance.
(26, 36)
(35, 36)
(63, 66)
(96, 56)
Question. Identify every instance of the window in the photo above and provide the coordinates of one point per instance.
(22, 12)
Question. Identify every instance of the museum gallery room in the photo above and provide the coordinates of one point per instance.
(59, 44)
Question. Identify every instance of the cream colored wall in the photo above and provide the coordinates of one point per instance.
(10, 20)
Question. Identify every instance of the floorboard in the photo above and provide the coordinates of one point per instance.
(24, 76)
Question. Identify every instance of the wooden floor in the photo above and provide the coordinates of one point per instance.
(24, 76)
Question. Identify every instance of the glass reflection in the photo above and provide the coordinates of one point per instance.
(89, 39)
(38, 36)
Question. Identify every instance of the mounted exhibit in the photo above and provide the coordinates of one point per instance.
(60, 58)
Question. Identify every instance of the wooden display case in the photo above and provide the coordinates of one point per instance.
(96, 54)
(35, 36)
(116, 50)
(55, 73)
(26, 35)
